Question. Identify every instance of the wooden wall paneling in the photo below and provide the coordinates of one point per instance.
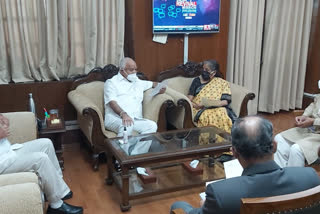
(152, 58)
(313, 63)
(129, 36)
(51, 95)
(213, 46)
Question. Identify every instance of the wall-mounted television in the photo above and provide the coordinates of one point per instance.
(186, 16)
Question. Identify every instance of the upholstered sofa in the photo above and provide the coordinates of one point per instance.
(179, 80)
(87, 97)
(20, 192)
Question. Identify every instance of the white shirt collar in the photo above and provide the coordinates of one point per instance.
(120, 77)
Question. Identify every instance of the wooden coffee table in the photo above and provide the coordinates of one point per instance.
(164, 153)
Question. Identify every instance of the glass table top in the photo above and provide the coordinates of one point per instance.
(171, 141)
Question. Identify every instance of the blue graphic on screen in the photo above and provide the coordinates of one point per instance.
(186, 16)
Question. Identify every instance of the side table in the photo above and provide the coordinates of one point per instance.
(56, 134)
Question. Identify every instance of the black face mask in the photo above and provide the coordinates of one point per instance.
(205, 75)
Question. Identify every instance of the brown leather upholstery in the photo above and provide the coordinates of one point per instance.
(307, 201)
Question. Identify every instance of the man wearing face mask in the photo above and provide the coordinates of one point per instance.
(123, 96)
(210, 96)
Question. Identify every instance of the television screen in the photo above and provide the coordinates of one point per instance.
(186, 16)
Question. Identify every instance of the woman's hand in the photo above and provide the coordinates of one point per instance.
(223, 103)
(197, 106)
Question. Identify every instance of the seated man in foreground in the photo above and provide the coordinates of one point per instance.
(302, 142)
(252, 144)
(123, 96)
(37, 156)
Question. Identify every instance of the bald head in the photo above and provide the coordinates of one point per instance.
(252, 137)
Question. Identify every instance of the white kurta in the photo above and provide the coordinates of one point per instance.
(129, 96)
(308, 139)
(7, 155)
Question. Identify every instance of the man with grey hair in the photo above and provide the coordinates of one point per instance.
(123, 96)
(253, 145)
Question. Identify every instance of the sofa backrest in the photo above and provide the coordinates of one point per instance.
(23, 126)
(94, 92)
(180, 84)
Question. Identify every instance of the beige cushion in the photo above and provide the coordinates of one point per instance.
(23, 126)
(94, 92)
(18, 178)
(151, 105)
(21, 198)
(238, 93)
(180, 84)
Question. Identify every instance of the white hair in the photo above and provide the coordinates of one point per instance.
(123, 62)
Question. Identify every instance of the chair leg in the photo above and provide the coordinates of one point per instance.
(95, 161)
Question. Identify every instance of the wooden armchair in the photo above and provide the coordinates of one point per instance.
(307, 202)
(180, 79)
(87, 97)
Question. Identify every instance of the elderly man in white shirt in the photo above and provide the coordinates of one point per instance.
(123, 96)
(37, 156)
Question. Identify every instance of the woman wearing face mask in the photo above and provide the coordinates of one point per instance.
(210, 96)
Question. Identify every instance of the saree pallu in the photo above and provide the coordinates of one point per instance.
(217, 117)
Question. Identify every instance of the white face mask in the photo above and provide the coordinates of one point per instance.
(132, 77)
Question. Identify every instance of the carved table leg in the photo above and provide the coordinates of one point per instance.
(109, 179)
(125, 206)
(211, 161)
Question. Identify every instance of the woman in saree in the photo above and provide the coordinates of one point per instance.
(210, 96)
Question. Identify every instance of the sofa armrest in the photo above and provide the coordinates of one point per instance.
(81, 102)
(152, 105)
(240, 97)
(181, 116)
(18, 178)
(23, 126)
(21, 198)
(86, 107)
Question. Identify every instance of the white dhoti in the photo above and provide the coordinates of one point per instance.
(140, 125)
(288, 153)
